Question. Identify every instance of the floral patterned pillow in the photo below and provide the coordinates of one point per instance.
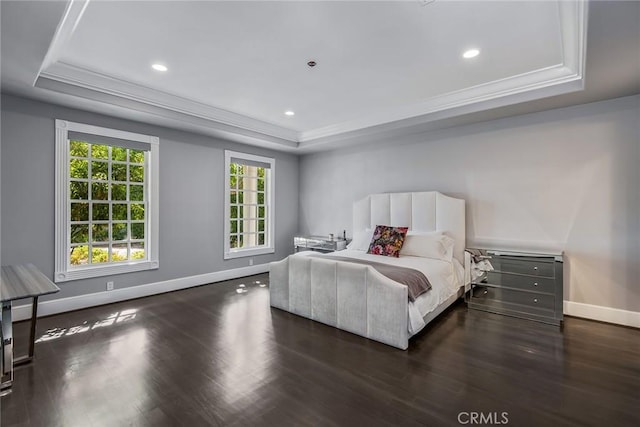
(387, 240)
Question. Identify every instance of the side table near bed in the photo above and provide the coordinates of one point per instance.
(319, 243)
(522, 284)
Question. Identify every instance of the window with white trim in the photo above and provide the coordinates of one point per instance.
(248, 205)
(106, 201)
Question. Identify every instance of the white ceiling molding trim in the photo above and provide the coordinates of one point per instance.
(574, 22)
(88, 79)
(554, 80)
(66, 27)
(150, 113)
(420, 124)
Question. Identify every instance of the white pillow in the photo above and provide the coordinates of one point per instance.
(361, 240)
(428, 245)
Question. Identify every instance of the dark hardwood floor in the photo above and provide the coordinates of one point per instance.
(212, 356)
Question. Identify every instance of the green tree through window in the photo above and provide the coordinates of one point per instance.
(247, 205)
(107, 203)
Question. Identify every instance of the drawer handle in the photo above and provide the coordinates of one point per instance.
(535, 268)
(535, 284)
(535, 300)
(485, 292)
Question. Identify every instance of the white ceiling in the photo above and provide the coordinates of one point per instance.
(251, 58)
(235, 67)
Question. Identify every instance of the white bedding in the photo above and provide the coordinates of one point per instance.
(445, 278)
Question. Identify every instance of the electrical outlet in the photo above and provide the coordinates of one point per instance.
(250, 261)
(109, 286)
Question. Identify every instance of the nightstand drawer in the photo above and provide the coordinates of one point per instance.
(537, 301)
(527, 283)
(523, 265)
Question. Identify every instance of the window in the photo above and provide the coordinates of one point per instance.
(106, 201)
(248, 205)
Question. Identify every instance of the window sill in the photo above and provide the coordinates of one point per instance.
(104, 270)
(248, 252)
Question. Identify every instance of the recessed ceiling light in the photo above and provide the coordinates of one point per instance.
(159, 67)
(289, 113)
(471, 53)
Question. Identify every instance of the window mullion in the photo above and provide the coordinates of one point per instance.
(109, 201)
(90, 202)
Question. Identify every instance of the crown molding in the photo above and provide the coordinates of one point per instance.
(565, 77)
(67, 25)
(97, 82)
(98, 102)
(553, 80)
(433, 121)
(574, 18)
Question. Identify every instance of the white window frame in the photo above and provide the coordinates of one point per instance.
(63, 269)
(269, 246)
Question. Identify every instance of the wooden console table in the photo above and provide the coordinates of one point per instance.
(18, 282)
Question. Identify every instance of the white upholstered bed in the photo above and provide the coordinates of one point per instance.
(359, 299)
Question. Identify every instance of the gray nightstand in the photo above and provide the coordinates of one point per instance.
(523, 284)
(319, 243)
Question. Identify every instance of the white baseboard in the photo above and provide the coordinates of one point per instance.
(47, 308)
(603, 314)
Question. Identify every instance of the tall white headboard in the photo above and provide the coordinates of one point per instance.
(423, 211)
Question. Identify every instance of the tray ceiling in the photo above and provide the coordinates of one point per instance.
(238, 66)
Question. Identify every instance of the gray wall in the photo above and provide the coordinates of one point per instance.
(191, 196)
(561, 179)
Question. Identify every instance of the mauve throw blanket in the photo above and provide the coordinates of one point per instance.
(415, 281)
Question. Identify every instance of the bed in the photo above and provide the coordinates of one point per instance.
(344, 293)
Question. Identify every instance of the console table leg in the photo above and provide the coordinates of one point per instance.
(7, 349)
(22, 360)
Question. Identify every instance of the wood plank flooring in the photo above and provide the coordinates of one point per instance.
(210, 356)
